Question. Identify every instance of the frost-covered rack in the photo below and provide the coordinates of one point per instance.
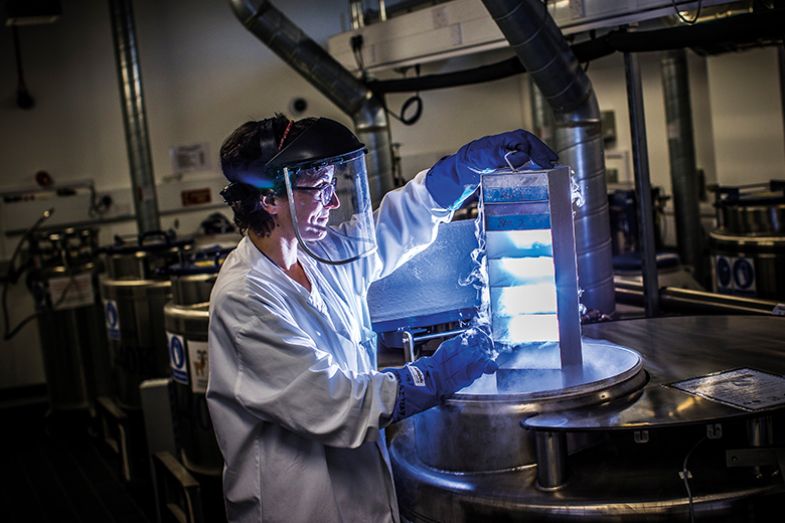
(529, 241)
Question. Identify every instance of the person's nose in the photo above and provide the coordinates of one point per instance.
(334, 202)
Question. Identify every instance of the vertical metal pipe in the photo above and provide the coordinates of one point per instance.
(137, 140)
(760, 434)
(551, 459)
(781, 57)
(372, 128)
(640, 156)
(681, 148)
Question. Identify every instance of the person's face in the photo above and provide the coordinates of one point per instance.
(314, 198)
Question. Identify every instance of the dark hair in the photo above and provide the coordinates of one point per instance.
(246, 151)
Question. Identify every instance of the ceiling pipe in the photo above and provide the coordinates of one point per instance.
(137, 139)
(322, 71)
(542, 115)
(544, 52)
(738, 31)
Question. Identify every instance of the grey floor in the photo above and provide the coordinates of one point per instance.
(56, 472)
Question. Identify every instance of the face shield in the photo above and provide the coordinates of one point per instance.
(322, 173)
(330, 205)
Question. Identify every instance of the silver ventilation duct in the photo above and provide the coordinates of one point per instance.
(137, 139)
(681, 146)
(542, 115)
(308, 58)
(542, 50)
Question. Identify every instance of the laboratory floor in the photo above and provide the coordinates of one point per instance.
(56, 472)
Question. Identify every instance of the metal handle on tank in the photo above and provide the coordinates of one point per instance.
(409, 340)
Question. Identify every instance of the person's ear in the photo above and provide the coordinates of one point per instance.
(270, 203)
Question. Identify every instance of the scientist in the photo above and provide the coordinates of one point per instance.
(294, 394)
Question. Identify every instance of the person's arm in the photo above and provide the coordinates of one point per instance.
(408, 218)
(456, 364)
(407, 222)
(282, 376)
(455, 177)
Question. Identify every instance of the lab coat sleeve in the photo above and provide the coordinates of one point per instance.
(407, 222)
(283, 377)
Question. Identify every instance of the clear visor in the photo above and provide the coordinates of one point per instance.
(330, 204)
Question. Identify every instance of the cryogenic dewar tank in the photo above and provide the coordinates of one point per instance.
(748, 246)
(186, 322)
(638, 420)
(186, 319)
(134, 291)
(63, 283)
(695, 425)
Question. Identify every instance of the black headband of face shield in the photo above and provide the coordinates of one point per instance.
(322, 141)
(268, 144)
(320, 144)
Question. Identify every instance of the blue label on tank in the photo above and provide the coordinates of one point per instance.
(112, 319)
(723, 271)
(177, 358)
(744, 274)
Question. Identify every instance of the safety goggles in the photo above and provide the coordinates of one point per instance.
(326, 191)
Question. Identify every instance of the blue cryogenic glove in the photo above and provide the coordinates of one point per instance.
(454, 178)
(456, 364)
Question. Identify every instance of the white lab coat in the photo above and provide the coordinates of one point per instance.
(294, 395)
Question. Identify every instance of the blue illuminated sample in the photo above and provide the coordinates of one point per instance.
(538, 298)
(505, 272)
(511, 244)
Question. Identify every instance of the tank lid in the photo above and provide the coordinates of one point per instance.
(206, 260)
(152, 241)
(768, 193)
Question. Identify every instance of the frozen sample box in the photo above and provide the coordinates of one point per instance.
(529, 241)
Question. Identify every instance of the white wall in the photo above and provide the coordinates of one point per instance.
(204, 74)
(745, 101)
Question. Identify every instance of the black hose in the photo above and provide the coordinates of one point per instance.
(12, 276)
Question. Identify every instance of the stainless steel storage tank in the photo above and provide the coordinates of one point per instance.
(639, 447)
(748, 247)
(134, 291)
(186, 322)
(64, 285)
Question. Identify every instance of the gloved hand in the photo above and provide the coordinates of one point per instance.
(454, 178)
(456, 364)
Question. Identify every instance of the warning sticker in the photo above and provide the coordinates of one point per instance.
(70, 292)
(112, 319)
(177, 359)
(747, 389)
(200, 371)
